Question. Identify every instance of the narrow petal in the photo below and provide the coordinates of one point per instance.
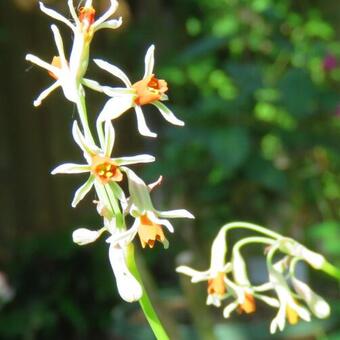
(92, 84)
(126, 237)
(134, 159)
(71, 168)
(119, 91)
(111, 24)
(129, 288)
(196, 276)
(46, 93)
(114, 70)
(149, 61)
(268, 300)
(157, 220)
(229, 309)
(87, 146)
(73, 12)
(142, 127)
(55, 15)
(118, 191)
(178, 213)
(60, 46)
(140, 195)
(82, 191)
(43, 64)
(115, 107)
(109, 138)
(168, 114)
(107, 14)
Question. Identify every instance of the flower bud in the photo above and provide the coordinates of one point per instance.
(84, 236)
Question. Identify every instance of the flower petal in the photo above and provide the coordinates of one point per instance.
(115, 107)
(168, 114)
(82, 191)
(55, 15)
(71, 168)
(111, 24)
(141, 124)
(60, 46)
(229, 309)
(196, 276)
(129, 288)
(109, 138)
(149, 61)
(134, 159)
(114, 70)
(106, 15)
(46, 93)
(43, 64)
(177, 213)
(92, 84)
(125, 237)
(73, 12)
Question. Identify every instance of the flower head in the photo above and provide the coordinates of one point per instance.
(148, 90)
(101, 167)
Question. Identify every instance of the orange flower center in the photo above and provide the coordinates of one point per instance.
(217, 285)
(149, 90)
(87, 16)
(105, 170)
(292, 315)
(248, 306)
(149, 232)
(56, 62)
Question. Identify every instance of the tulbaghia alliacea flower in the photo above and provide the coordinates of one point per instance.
(148, 220)
(149, 90)
(69, 74)
(102, 168)
(215, 275)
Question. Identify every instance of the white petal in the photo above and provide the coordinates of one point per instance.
(178, 213)
(168, 114)
(111, 24)
(119, 91)
(86, 145)
(141, 124)
(115, 107)
(109, 138)
(218, 251)
(153, 185)
(55, 15)
(134, 159)
(196, 276)
(239, 268)
(106, 15)
(82, 191)
(149, 61)
(129, 288)
(279, 321)
(124, 238)
(229, 309)
(153, 218)
(268, 300)
(60, 46)
(84, 236)
(73, 12)
(43, 64)
(213, 300)
(46, 93)
(114, 70)
(92, 84)
(71, 168)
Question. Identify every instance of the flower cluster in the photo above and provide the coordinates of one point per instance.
(229, 280)
(107, 172)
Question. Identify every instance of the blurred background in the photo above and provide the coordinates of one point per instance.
(257, 83)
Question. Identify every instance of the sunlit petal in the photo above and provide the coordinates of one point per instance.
(82, 191)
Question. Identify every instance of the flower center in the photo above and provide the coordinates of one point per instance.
(149, 90)
(149, 232)
(217, 285)
(87, 16)
(105, 170)
(248, 306)
(56, 62)
(292, 315)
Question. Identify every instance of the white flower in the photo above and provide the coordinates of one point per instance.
(149, 90)
(148, 220)
(215, 275)
(129, 288)
(103, 169)
(84, 236)
(69, 75)
(288, 308)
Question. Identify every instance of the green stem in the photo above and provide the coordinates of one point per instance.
(81, 107)
(145, 302)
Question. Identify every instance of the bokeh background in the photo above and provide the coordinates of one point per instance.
(257, 82)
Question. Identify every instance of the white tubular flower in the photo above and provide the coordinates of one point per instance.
(149, 90)
(129, 288)
(102, 168)
(215, 275)
(69, 75)
(83, 236)
(288, 308)
(148, 221)
(295, 249)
